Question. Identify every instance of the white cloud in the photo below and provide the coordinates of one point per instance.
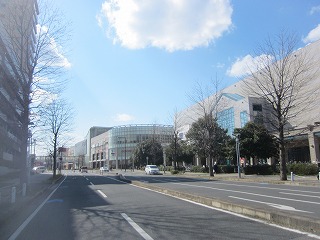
(314, 10)
(123, 117)
(244, 66)
(167, 24)
(54, 50)
(313, 35)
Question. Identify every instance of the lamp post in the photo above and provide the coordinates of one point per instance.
(238, 154)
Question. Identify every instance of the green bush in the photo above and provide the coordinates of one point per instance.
(264, 169)
(227, 169)
(303, 169)
(174, 172)
(199, 169)
(250, 170)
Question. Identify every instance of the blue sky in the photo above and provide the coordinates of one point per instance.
(136, 61)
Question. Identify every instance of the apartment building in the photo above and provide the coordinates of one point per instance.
(14, 80)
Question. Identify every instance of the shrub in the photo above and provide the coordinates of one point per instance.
(303, 169)
(250, 170)
(264, 169)
(174, 172)
(226, 169)
(196, 169)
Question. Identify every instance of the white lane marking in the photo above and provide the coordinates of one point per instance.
(28, 220)
(136, 227)
(272, 188)
(91, 183)
(234, 214)
(279, 206)
(302, 195)
(102, 194)
(254, 194)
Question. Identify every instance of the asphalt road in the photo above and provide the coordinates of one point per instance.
(298, 200)
(88, 206)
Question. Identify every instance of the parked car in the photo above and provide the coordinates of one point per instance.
(152, 169)
(38, 169)
(104, 169)
(84, 169)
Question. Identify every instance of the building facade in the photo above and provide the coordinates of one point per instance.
(235, 107)
(14, 82)
(124, 139)
(113, 146)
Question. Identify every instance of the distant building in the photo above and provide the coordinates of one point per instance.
(113, 146)
(124, 139)
(93, 132)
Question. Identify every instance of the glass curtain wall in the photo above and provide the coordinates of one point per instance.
(124, 139)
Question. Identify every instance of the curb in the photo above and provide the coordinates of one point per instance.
(301, 223)
(123, 178)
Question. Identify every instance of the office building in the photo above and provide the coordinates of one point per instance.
(14, 82)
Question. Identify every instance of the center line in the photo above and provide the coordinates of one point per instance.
(136, 227)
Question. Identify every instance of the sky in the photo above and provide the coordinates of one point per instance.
(139, 61)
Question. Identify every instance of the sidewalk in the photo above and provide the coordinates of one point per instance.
(38, 183)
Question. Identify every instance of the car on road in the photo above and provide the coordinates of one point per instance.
(152, 170)
(38, 169)
(84, 169)
(104, 169)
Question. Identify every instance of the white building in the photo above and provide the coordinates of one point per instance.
(235, 107)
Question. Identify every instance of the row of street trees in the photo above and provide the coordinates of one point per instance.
(255, 144)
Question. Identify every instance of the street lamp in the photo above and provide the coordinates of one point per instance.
(238, 154)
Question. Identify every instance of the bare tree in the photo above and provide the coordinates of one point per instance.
(34, 58)
(283, 78)
(207, 106)
(56, 121)
(175, 140)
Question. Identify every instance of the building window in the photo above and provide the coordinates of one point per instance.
(243, 118)
(102, 155)
(93, 157)
(257, 107)
(226, 120)
(257, 113)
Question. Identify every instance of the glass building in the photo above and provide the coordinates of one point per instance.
(115, 147)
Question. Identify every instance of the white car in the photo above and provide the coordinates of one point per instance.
(39, 169)
(104, 169)
(152, 169)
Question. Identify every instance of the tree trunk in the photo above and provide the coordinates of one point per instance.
(24, 169)
(54, 160)
(283, 164)
(210, 166)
